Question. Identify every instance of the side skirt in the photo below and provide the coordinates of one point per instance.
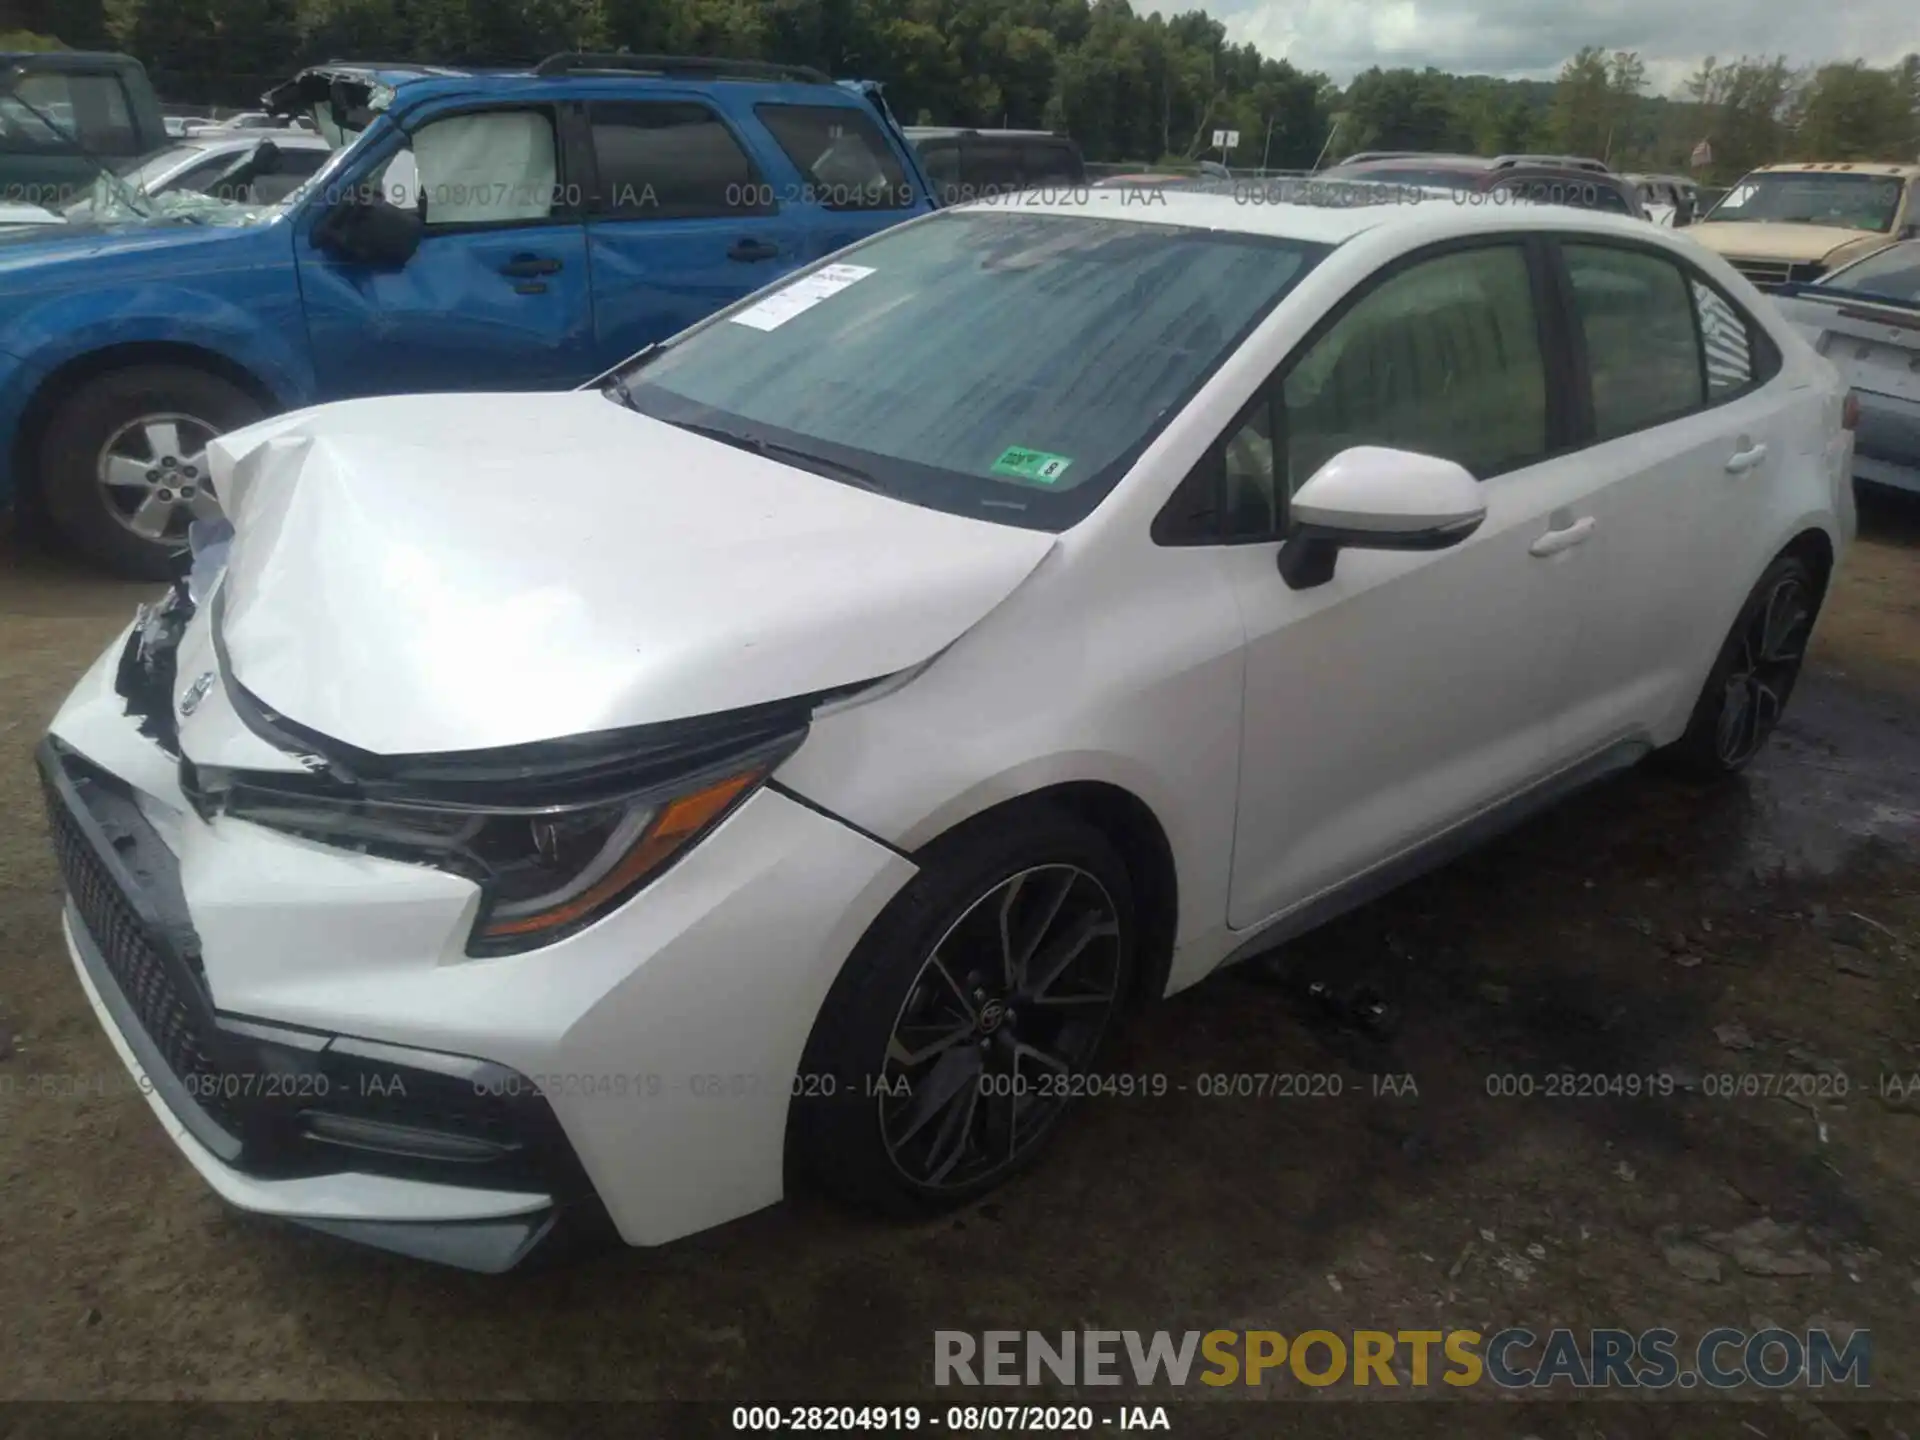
(1430, 854)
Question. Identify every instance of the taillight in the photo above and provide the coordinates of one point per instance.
(1850, 412)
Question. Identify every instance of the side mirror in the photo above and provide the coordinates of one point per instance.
(1373, 498)
(363, 228)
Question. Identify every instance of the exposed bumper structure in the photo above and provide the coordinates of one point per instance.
(1887, 445)
(308, 1029)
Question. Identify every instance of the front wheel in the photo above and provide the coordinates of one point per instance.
(1753, 675)
(949, 1046)
(123, 464)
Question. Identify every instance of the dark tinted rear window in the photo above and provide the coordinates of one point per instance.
(666, 161)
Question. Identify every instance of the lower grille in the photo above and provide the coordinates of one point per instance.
(180, 1029)
(271, 1100)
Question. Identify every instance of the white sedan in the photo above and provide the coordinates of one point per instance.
(793, 755)
(213, 167)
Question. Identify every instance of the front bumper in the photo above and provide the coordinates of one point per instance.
(311, 1034)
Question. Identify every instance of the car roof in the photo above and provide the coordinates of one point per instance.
(1856, 167)
(945, 132)
(1497, 171)
(412, 83)
(1323, 212)
(79, 60)
(1410, 160)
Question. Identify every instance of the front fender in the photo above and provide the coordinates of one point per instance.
(253, 321)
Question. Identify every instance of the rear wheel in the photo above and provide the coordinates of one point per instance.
(947, 1049)
(1754, 674)
(123, 465)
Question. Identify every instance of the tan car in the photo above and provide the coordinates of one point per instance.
(1798, 220)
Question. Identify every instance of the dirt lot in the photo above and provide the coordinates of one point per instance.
(1767, 928)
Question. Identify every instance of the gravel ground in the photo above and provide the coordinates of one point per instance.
(1765, 927)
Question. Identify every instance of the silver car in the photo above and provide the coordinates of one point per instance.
(1865, 318)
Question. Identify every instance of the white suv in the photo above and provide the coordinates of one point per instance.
(793, 753)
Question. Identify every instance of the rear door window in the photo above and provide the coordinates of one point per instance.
(841, 155)
(671, 160)
(1635, 313)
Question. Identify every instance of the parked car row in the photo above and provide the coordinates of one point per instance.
(1544, 179)
(544, 239)
(1865, 318)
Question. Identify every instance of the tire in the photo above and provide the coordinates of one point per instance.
(134, 526)
(1753, 676)
(864, 1125)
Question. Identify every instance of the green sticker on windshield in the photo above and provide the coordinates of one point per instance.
(1038, 466)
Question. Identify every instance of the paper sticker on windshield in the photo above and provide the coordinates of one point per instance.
(1038, 466)
(803, 294)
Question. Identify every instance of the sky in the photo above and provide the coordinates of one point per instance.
(1530, 39)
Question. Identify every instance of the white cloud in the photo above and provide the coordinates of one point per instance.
(1527, 39)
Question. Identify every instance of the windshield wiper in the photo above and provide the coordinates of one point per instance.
(774, 450)
(617, 382)
(819, 464)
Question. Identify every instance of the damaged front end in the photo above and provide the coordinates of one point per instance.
(556, 834)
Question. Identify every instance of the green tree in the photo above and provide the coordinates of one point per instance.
(1851, 112)
(1744, 107)
(1397, 110)
(1593, 102)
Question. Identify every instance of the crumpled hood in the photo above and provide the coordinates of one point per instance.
(419, 574)
(1775, 240)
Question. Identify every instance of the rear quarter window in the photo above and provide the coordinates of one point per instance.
(843, 158)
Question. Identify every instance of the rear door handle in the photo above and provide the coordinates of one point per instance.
(522, 267)
(1742, 461)
(753, 250)
(1563, 538)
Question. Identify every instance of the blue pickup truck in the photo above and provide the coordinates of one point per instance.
(476, 230)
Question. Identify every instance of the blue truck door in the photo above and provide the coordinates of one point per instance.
(682, 217)
(849, 181)
(497, 295)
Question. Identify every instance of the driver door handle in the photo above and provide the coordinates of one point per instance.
(1563, 538)
(523, 267)
(750, 249)
(1742, 461)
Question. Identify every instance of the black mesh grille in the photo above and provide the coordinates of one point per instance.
(142, 973)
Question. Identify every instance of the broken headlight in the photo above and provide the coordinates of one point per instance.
(544, 871)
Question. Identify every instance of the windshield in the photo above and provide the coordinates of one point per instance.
(1890, 274)
(1824, 197)
(985, 362)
